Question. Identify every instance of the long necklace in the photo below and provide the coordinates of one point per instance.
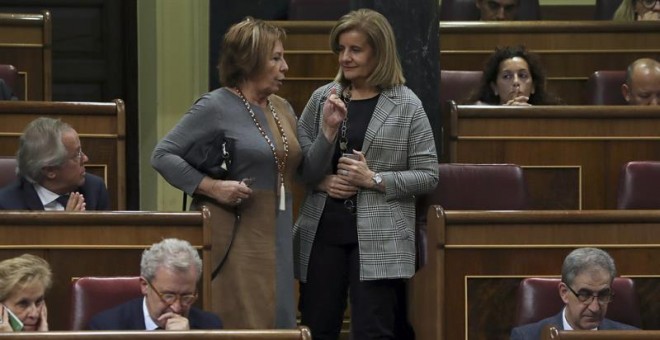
(343, 139)
(280, 163)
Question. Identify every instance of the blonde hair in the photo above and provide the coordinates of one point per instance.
(23, 271)
(380, 36)
(625, 11)
(245, 49)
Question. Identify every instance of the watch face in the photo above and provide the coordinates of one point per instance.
(377, 178)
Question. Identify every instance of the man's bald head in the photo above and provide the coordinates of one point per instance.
(642, 85)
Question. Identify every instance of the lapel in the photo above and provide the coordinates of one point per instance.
(30, 197)
(384, 107)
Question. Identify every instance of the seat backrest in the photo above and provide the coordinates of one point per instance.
(480, 187)
(604, 88)
(465, 10)
(538, 298)
(9, 74)
(471, 187)
(605, 9)
(91, 295)
(318, 9)
(458, 85)
(7, 170)
(639, 185)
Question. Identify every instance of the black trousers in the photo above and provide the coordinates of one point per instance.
(377, 307)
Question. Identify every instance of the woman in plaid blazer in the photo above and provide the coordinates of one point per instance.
(368, 151)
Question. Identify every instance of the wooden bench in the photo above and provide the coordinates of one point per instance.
(552, 333)
(571, 155)
(99, 244)
(301, 333)
(26, 42)
(102, 131)
(477, 258)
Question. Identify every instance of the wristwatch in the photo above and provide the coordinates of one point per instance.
(377, 178)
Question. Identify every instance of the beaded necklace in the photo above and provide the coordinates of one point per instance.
(280, 163)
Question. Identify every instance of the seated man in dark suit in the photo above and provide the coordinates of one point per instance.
(170, 271)
(498, 10)
(585, 288)
(642, 86)
(51, 169)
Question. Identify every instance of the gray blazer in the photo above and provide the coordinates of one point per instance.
(532, 331)
(399, 145)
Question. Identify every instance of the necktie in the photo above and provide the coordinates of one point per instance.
(63, 199)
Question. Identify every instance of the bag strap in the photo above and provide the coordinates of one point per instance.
(237, 222)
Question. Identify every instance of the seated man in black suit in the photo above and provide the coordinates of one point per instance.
(170, 271)
(585, 288)
(51, 169)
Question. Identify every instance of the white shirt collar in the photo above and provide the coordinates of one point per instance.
(48, 198)
(149, 324)
(567, 326)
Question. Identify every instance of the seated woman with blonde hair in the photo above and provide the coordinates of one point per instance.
(513, 76)
(637, 10)
(24, 281)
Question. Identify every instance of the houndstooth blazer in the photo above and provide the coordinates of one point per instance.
(399, 145)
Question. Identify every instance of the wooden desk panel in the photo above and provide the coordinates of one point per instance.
(580, 148)
(98, 244)
(554, 333)
(476, 259)
(26, 42)
(102, 131)
(302, 333)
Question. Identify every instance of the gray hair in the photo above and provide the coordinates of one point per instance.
(41, 146)
(171, 253)
(21, 272)
(584, 259)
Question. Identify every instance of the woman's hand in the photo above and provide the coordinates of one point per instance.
(76, 202)
(356, 171)
(4, 320)
(337, 187)
(227, 192)
(42, 326)
(519, 101)
(334, 112)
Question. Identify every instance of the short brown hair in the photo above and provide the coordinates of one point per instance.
(245, 49)
(23, 271)
(380, 36)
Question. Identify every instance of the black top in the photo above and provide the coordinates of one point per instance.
(338, 224)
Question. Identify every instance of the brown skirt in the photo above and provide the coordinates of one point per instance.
(243, 292)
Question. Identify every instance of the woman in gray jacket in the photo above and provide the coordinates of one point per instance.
(368, 151)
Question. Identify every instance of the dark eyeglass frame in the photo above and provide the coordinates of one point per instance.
(588, 300)
(649, 4)
(185, 300)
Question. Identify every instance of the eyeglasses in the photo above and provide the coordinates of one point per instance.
(649, 4)
(586, 296)
(78, 156)
(171, 298)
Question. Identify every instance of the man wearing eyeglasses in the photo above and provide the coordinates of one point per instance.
(642, 86)
(586, 289)
(51, 171)
(170, 271)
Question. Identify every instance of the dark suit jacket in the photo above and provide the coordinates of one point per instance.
(6, 92)
(129, 316)
(533, 330)
(20, 195)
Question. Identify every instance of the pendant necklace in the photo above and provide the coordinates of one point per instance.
(280, 163)
(343, 139)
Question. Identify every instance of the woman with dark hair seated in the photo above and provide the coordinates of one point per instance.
(513, 76)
